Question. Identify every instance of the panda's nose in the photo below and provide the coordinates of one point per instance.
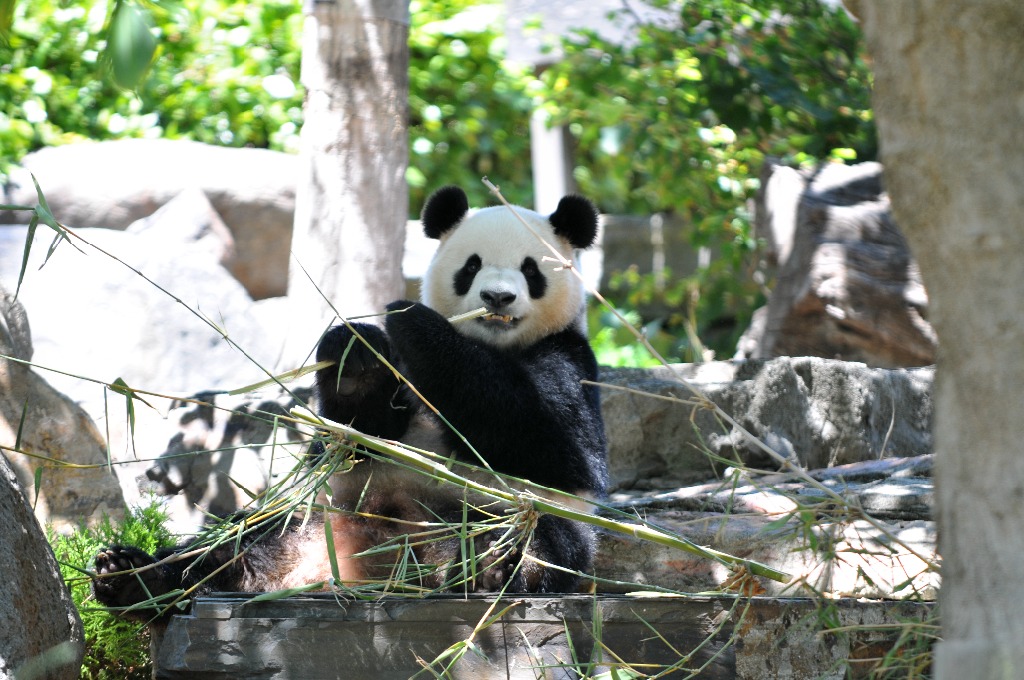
(496, 299)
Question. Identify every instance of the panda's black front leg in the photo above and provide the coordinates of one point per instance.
(555, 540)
(560, 541)
(359, 389)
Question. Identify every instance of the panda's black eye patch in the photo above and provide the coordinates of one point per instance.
(463, 278)
(536, 282)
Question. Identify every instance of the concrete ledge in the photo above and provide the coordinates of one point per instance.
(320, 636)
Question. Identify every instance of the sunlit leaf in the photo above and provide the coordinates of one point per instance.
(29, 237)
(37, 485)
(6, 20)
(121, 387)
(130, 44)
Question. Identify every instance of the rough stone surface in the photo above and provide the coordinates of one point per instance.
(94, 317)
(847, 286)
(817, 412)
(729, 639)
(112, 184)
(189, 218)
(41, 629)
(55, 430)
(765, 519)
(219, 449)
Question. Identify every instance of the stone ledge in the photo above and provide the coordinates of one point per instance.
(320, 636)
(790, 525)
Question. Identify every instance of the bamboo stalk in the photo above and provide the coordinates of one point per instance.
(537, 502)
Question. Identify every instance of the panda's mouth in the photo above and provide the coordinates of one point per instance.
(499, 321)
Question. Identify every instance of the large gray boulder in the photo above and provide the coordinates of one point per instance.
(816, 412)
(882, 546)
(101, 319)
(112, 184)
(42, 633)
(60, 447)
(96, 319)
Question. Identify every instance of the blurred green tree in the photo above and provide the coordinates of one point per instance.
(680, 119)
(676, 119)
(223, 72)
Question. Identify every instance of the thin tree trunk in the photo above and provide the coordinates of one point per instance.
(949, 98)
(352, 199)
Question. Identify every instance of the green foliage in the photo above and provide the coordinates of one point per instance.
(469, 110)
(678, 120)
(224, 72)
(681, 119)
(115, 648)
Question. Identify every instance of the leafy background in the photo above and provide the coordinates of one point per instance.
(677, 121)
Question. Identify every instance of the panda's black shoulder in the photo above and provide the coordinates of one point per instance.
(569, 344)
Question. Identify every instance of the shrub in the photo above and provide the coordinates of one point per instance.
(115, 648)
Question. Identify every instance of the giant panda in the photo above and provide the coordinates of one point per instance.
(511, 390)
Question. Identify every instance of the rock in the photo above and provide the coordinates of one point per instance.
(792, 525)
(817, 412)
(111, 322)
(56, 437)
(42, 631)
(112, 184)
(188, 218)
(219, 450)
(847, 285)
(97, 320)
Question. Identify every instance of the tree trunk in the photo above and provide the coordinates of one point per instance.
(948, 97)
(351, 199)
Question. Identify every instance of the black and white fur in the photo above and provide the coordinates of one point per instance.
(511, 383)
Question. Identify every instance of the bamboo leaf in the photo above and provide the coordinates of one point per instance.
(247, 492)
(53, 247)
(331, 553)
(43, 209)
(37, 485)
(283, 377)
(287, 592)
(121, 387)
(29, 237)
(21, 426)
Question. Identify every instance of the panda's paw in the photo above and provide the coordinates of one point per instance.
(495, 565)
(358, 368)
(125, 576)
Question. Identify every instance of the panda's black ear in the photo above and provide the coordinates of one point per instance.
(575, 219)
(443, 210)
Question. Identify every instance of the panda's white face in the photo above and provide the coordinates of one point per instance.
(492, 260)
